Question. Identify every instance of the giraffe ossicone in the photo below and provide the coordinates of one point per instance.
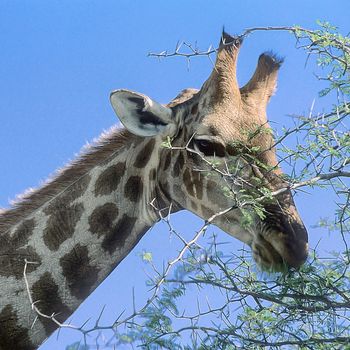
(78, 226)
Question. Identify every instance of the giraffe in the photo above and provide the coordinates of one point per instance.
(78, 226)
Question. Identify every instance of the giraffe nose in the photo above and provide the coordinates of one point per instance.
(287, 235)
(295, 244)
(290, 239)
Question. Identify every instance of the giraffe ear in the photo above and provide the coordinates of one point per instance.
(139, 114)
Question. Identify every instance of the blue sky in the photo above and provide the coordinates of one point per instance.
(60, 59)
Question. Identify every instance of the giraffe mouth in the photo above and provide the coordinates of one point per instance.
(266, 256)
(279, 249)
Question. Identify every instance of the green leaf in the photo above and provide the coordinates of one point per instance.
(147, 256)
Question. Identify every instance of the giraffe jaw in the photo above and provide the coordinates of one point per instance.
(275, 251)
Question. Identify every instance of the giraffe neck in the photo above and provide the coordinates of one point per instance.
(75, 239)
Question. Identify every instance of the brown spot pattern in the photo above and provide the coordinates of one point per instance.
(45, 291)
(61, 225)
(193, 183)
(12, 263)
(12, 335)
(109, 179)
(145, 155)
(196, 178)
(80, 275)
(167, 161)
(194, 108)
(117, 237)
(162, 196)
(133, 188)
(188, 183)
(198, 117)
(153, 174)
(211, 184)
(180, 161)
(179, 194)
(207, 213)
(13, 253)
(102, 218)
(194, 206)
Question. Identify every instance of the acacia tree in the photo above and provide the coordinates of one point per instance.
(307, 308)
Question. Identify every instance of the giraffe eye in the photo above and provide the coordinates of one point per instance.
(209, 148)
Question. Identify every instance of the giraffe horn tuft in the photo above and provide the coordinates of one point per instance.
(261, 86)
(222, 84)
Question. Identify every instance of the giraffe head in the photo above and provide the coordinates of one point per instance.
(223, 156)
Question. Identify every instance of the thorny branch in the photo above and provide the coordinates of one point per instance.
(299, 33)
(309, 308)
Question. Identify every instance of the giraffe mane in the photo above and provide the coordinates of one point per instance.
(109, 143)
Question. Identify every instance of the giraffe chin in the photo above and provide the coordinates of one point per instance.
(278, 255)
(267, 257)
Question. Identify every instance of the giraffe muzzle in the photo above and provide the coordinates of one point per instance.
(287, 237)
